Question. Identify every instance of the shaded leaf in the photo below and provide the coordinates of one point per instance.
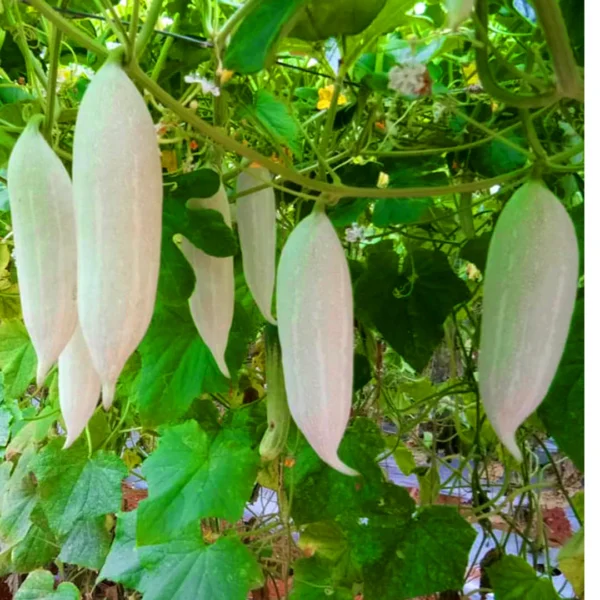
(87, 544)
(513, 579)
(313, 581)
(562, 411)
(17, 358)
(39, 585)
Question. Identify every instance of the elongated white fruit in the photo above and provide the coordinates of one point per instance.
(257, 225)
(78, 386)
(458, 11)
(117, 181)
(529, 294)
(315, 319)
(213, 298)
(41, 204)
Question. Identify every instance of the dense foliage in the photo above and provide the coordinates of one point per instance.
(416, 135)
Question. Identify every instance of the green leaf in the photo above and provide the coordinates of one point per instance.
(322, 19)
(513, 579)
(403, 456)
(400, 211)
(192, 475)
(326, 539)
(409, 309)
(29, 432)
(39, 585)
(38, 548)
(175, 366)
(17, 358)
(201, 183)
(313, 581)
(275, 117)
(123, 562)
(429, 485)
(253, 41)
(207, 230)
(571, 561)
(18, 501)
(476, 249)
(186, 567)
(562, 411)
(348, 211)
(87, 544)
(322, 493)
(431, 555)
(72, 486)
(496, 158)
(183, 567)
(361, 371)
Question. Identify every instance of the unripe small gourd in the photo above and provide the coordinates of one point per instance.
(257, 226)
(278, 412)
(529, 292)
(458, 11)
(316, 330)
(117, 181)
(213, 299)
(78, 386)
(43, 220)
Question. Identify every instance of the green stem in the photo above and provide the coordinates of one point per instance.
(553, 25)
(54, 52)
(113, 20)
(164, 51)
(486, 76)
(465, 214)
(326, 135)
(68, 28)
(531, 134)
(148, 28)
(133, 26)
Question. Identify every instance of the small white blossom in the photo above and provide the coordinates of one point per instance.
(70, 73)
(208, 87)
(408, 79)
(112, 45)
(354, 234)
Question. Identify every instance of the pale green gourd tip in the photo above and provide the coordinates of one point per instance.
(34, 123)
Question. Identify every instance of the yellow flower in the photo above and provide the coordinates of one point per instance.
(325, 96)
(470, 73)
(383, 180)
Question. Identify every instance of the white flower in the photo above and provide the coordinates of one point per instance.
(112, 45)
(69, 74)
(408, 79)
(354, 234)
(208, 87)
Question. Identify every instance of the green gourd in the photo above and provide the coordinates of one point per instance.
(529, 292)
(117, 182)
(278, 412)
(43, 220)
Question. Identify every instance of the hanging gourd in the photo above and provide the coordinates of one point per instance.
(41, 205)
(117, 182)
(278, 412)
(78, 386)
(257, 227)
(212, 301)
(316, 330)
(529, 294)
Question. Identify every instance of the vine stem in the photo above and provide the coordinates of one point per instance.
(232, 145)
(232, 22)
(148, 27)
(54, 51)
(557, 37)
(164, 51)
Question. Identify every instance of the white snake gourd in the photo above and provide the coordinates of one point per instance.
(316, 331)
(212, 301)
(257, 227)
(78, 386)
(41, 203)
(117, 182)
(529, 294)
